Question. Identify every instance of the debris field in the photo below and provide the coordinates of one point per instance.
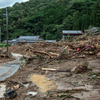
(67, 70)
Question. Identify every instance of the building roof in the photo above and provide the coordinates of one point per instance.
(52, 41)
(72, 32)
(28, 38)
(14, 40)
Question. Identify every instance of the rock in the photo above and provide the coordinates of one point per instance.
(32, 93)
(15, 87)
(79, 69)
(98, 54)
(96, 70)
(2, 90)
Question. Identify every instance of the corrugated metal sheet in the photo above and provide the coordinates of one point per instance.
(94, 29)
(72, 32)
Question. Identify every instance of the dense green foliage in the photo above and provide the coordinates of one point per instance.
(48, 18)
(4, 45)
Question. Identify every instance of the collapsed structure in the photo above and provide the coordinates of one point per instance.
(67, 34)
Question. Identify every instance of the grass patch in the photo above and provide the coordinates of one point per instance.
(4, 45)
(94, 74)
(66, 96)
(73, 91)
(22, 58)
(32, 97)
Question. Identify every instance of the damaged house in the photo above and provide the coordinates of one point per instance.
(67, 34)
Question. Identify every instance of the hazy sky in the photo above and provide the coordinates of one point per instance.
(5, 3)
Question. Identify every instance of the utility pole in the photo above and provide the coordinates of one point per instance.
(0, 34)
(7, 28)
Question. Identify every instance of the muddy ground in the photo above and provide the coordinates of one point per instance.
(4, 57)
(72, 75)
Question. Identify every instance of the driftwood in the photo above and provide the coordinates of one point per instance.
(40, 52)
(31, 47)
(47, 62)
(53, 54)
(53, 70)
(43, 53)
(16, 82)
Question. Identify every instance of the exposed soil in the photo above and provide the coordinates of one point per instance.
(75, 73)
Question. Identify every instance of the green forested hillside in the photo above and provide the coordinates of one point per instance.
(48, 18)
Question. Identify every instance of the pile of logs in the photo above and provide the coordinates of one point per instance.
(69, 51)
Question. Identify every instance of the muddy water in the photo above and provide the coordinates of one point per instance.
(44, 84)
